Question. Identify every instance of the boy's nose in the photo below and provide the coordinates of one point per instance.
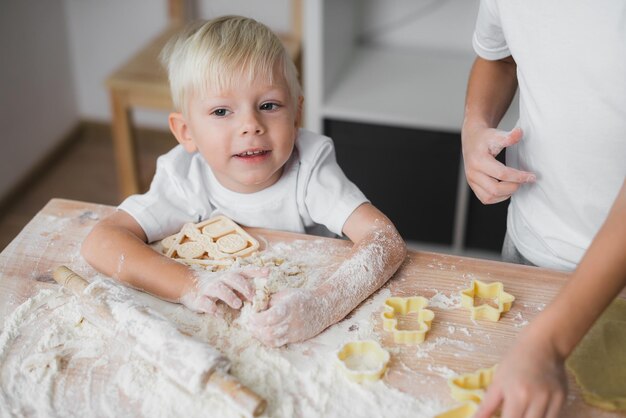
(248, 130)
(252, 125)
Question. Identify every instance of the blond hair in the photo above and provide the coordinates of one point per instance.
(219, 52)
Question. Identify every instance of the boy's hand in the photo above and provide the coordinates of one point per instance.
(227, 286)
(294, 315)
(530, 382)
(491, 181)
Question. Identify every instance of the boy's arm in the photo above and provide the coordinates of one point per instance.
(531, 377)
(490, 90)
(300, 314)
(378, 252)
(117, 247)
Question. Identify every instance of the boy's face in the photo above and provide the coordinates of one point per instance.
(245, 133)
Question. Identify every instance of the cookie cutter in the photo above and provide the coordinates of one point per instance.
(213, 243)
(363, 361)
(397, 306)
(466, 410)
(494, 291)
(468, 388)
(471, 386)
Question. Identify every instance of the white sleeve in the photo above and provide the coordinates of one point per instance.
(163, 209)
(488, 40)
(330, 197)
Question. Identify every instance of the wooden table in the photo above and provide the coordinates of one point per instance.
(52, 238)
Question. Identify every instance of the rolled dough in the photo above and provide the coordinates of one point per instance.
(599, 361)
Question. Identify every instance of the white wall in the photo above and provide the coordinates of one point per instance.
(37, 96)
(103, 35)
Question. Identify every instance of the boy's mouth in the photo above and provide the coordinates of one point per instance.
(252, 153)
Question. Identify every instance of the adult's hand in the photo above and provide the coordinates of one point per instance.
(491, 181)
(529, 382)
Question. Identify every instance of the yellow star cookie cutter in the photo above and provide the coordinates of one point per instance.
(470, 389)
(396, 306)
(363, 361)
(494, 291)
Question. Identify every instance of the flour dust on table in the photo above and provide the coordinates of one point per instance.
(54, 363)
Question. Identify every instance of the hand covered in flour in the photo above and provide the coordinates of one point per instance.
(294, 315)
(529, 382)
(229, 287)
(491, 181)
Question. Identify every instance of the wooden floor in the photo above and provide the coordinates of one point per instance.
(86, 171)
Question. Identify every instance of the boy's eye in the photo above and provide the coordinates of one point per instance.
(270, 106)
(220, 112)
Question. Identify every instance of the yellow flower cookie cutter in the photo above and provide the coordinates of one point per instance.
(471, 386)
(363, 361)
(470, 389)
(494, 291)
(396, 306)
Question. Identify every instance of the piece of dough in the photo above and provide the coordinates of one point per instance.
(599, 361)
(168, 242)
(191, 249)
(231, 243)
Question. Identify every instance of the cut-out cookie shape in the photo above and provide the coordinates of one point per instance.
(471, 386)
(397, 306)
(231, 243)
(494, 291)
(363, 361)
(468, 388)
(213, 243)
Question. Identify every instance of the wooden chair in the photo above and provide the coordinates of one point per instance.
(142, 82)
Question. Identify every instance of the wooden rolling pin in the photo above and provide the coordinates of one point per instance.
(160, 343)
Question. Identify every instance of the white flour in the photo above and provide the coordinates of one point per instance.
(54, 363)
(442, 301)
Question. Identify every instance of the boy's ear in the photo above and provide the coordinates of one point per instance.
(299, 112)
(180, 129)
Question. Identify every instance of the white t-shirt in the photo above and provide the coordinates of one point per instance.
(313, 191)
(571, 69)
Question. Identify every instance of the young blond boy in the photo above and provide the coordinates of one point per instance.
(242, 155)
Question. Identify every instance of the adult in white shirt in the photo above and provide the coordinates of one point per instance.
(565, 164)
(566, 160)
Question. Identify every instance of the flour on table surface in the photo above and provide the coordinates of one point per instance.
(436, 343)
(442, 301)
(55, 363)
(519, 321)
(442, 371)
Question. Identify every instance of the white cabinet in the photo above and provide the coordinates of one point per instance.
(396, 63)
(413, 74)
